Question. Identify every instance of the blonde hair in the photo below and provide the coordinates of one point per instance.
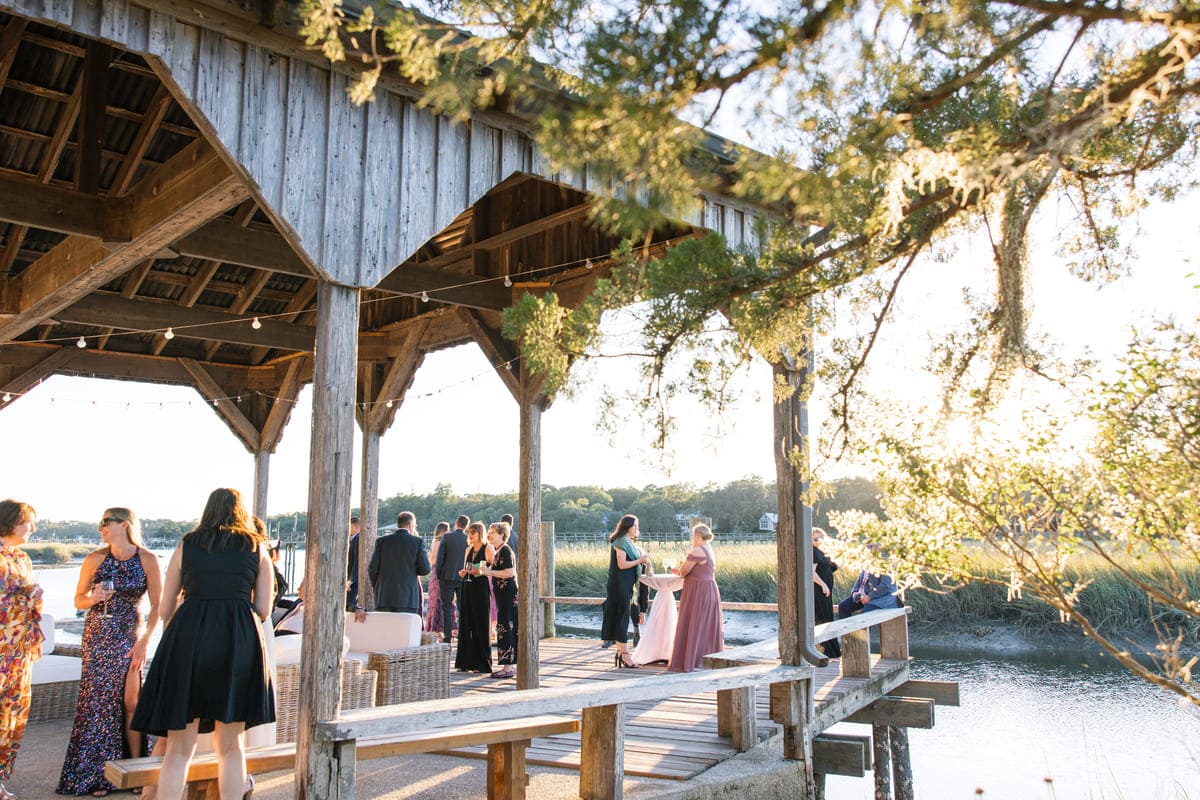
(703, 531)
(129, 518)
(502, 528)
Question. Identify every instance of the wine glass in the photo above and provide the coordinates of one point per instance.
(668, 565)
(108, 587)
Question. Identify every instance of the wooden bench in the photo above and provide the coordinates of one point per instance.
(506, 741)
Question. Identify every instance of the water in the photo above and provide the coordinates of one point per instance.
(1083, 722)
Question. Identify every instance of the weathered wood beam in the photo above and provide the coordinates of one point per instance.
(193, 187)
(43, 369)
(284, 402)
(295, 307)
(91, 118)
(529, 512)
(454, 288)
(331, 473)
(231, 243)
(602, 753)
(501, 352)
(10, 40)
(943, 693)
(227, 409)
(156, 111)
(34, 205)
(194, 323)
(837, 754)
(242, 302)
(143, 367)
(396, 380)
(897, 712)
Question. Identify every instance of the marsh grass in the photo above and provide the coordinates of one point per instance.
(746, 573)
(56, 552)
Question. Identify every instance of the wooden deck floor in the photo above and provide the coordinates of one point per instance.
(674, 739)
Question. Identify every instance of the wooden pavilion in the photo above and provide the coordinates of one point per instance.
(188, 196)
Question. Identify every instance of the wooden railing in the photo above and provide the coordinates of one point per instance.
(602, 765)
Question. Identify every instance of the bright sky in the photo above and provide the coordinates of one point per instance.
(76, 445)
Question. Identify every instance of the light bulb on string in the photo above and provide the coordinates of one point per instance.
(256, 324)
(424, 297)
(215, 403)
(168, 334)
(507, 281)
(588, 263)
(7, 397)
(82, 343)
(389, 403)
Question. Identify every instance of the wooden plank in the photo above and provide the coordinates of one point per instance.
(856, 622)
(396, 380)
(841, 755)
(381, 235)
(462, 710)
(29, 378)
(499, 351)
(283, 403)
(231, 243)
(453, 162)
(943, 693)
(306, 170)
(893, 638)
(601, 766)
(10, 41)
(897, 712)
(341, 239)
(742, 718)
(506, 777)
(157, 109)
(36, 205)
(856, 654)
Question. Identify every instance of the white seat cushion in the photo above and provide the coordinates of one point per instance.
(48, 633)
(287, 649)
(383, 630)
(56, 669)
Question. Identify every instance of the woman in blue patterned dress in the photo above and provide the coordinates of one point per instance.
(114, 650)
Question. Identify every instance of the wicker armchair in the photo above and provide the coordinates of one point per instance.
(358, 691)
(55, 689)
(392, 645)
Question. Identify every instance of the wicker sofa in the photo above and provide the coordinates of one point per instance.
(358, 691)
(392, 646)
(56, 675)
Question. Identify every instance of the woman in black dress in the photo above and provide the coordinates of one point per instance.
(823, 569)
(474, 652)
(503, 572)
(624, 559)
(210, 671)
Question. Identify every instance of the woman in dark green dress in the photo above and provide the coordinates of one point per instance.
(624, 560)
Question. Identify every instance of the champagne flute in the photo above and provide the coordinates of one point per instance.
(108, 587)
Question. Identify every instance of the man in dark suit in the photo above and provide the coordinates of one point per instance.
(396, 566)
(512, 536)
(352, 565)
(450, 557)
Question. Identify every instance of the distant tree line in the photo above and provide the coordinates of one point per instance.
(736, 506)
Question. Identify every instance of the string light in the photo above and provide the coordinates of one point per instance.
(424, 297)
(390, 403)
(507, 281)
(215, 403)
(169, 334)
(82, 343)
(7, 397)
(256, 324)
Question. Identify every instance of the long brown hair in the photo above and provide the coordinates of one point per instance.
(627, 522)
(225, 517)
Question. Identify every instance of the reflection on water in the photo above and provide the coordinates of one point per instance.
(1087, 725)
(1097, 732)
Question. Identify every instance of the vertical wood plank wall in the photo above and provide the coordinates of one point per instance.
(389, 173)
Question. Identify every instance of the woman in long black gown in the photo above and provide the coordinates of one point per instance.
(474, 652)
(210, 670)
(823, 568)
(624, 560)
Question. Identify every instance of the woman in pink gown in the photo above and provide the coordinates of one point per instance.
(700, 630)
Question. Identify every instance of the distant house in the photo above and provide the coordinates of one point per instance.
(688, 521)
(768, 521)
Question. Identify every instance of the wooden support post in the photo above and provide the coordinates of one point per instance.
(881, 757)
(262, 469)
(529, 512)
(506, 777)
(893, 639)
(742, 722)
(602, 758)
(547, 573)
(856, 654)
(724, 721)
(902, 779)
(368, 516)
(818, 786)
(319, 764)
(203, 790)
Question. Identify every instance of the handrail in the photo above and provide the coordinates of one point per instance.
(768, 649)
(362, 723)
(596, 601)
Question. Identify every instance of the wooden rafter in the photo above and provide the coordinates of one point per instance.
(295, 307)
(10, 40)
(160, 104)
(284, 402)
(129, 288)
(91, 117)
(50, 159)
(193, 187)
(244, 300)
(396, 380)
(193, 323)
(502, 353)
(228, 409)
(31, 377)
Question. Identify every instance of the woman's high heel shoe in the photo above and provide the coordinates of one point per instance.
(621, 662)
